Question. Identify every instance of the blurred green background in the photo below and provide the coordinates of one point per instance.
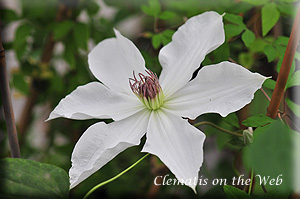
(47, 43)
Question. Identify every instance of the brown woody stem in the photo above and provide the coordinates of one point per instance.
(7, 106)
(285, 68)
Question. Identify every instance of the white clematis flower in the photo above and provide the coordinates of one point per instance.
(140, 103)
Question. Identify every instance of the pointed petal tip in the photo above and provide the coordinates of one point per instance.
(118, 34)
(267, 77)
(193, 186)
(262, 79)
(194, 189)
(116, 31)
(71, 186)
(52, 116)
(72, 183)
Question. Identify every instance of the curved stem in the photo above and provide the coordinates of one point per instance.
(112, 179)
(217, 127)
(264, 92)
(251, 182)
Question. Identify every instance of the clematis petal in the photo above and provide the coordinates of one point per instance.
(190, 44)
(222, 88)
(94, 100)
(178, 144)
(101, 142)
(113, 61)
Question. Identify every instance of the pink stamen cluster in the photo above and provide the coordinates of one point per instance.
(147, 87)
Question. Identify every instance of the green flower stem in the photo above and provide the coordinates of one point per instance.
(251, 182)
(112, 179)
(217, 127)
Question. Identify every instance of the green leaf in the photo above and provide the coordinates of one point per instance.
(167, 15)
(8, 16)
(287, 9)
(282, 41)
(153, 8)
(81, 35)
(156, 40)
(235, 19)
(232, 120)
(235, 193)
(269, 17)
(62, 29)
(221, 53)
(246, 59)
(69, 53)
(162, 38)
(269, 83)
(20, 83)
(281, 50)
(294, 80)
(248, 37)
(256, 2)
(23, 31)
(258, 45)
(21, 35)
(257, 120)
(38, 10)
(270, 52)
(56, 84)
(232, 30)
(293, 106)
(236, 142)
(91, 6)
(271, 156)
(240, 7)
(28, 179)
(166, 36)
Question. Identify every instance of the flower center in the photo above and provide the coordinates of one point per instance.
(147, 89)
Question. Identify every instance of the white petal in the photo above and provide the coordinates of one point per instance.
(102, 142)
(94, 100)
(178, 144)
(190, 44)
(113, 61)
(222, 88)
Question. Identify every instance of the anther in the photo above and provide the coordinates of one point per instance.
(147, 89)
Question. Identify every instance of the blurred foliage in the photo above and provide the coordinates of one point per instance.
(257, 33)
